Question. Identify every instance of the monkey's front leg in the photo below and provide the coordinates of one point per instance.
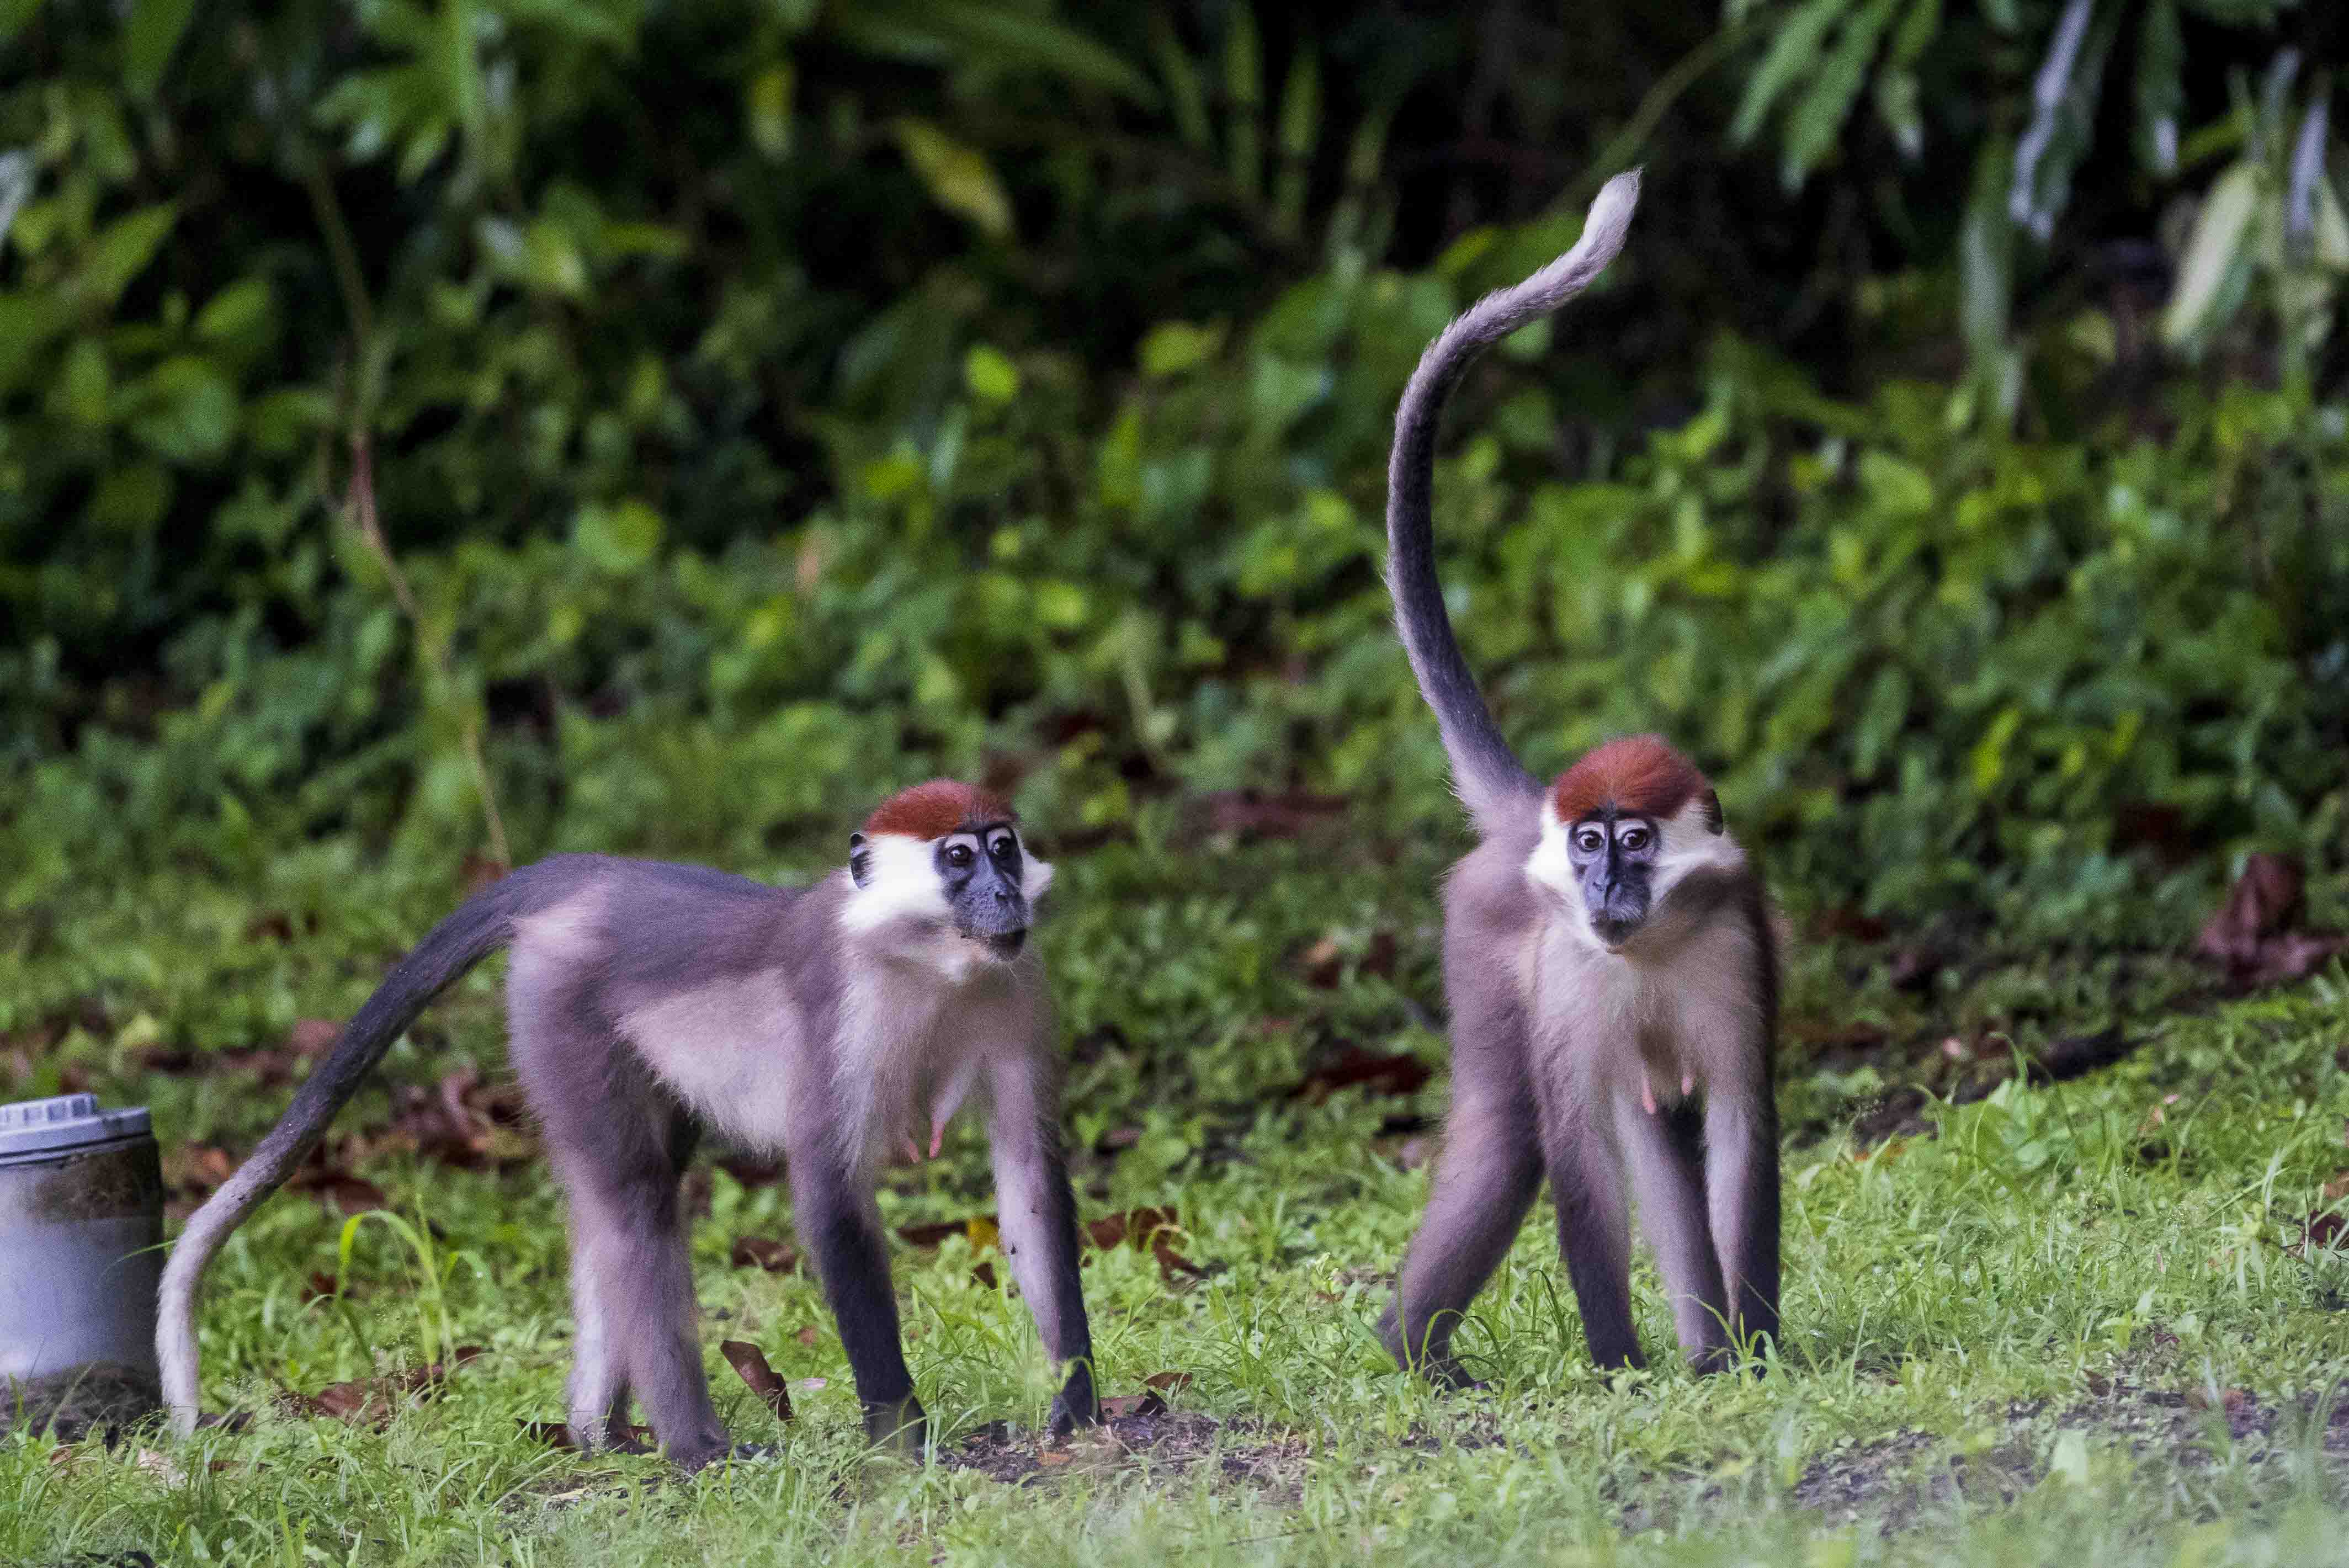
(1038, 1217)
(836, 1214)
(1585, 1180)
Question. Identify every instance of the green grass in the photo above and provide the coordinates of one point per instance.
(2054, 1331)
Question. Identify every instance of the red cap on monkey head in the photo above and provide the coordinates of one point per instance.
(937, 809)
(1641, 774)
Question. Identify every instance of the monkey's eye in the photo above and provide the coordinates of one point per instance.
(1634, 838)
(959, 854)
(1002, 846)
(1590, 841)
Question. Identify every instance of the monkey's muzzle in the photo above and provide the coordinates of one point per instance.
(1005, 945)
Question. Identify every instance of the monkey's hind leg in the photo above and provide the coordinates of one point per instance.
(1741, 1153)
(631, 1260)
(618, 1144)
(1485, 1178)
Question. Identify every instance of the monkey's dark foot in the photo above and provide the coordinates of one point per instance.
(698, 1455)
(898, 1426)
(1433, 1361)
(1713, 1360)
(753, 1453)
(1075, 1405)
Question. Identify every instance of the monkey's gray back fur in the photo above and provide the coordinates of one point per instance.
(1490, 781)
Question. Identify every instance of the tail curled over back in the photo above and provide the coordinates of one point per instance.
(1489, 779)
(478, 929)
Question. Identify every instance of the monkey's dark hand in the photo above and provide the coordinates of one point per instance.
(899, 1427)
(1075, 1405)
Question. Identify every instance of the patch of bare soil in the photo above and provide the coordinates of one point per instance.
(1894, 1481)
(1153, 1440)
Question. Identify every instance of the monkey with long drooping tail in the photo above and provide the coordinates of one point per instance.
(1611, 966)
(647, 1002)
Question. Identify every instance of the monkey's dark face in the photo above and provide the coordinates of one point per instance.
(1613, 856)
(965, 894)
(980, 872)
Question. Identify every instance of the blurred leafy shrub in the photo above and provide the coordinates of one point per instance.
(746, 449)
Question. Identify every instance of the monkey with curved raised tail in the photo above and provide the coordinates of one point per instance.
(1611, 965)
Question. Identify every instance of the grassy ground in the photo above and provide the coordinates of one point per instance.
(2075, 1321)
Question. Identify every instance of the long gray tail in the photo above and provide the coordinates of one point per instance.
(1489, 779)
(483, 925)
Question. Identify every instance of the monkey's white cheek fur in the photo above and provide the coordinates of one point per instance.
(901, 886)
(1690, 845)
(1035, 878)
(1549, 866)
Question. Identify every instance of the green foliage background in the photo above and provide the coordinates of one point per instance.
(766, 404)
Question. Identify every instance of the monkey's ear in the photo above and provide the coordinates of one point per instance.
(860, 860)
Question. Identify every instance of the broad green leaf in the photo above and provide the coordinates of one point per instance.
(991, 376)
(1818, 117)
(768, 109)
(1187, 99)
(1244, 84)
(620, 538)
(16, 187)
(2331, 248)
(2221, 229)
(27, 321)
(131, 499)
(235, 311)
(1986, 260)
(1901, 490)
(2160, 86)
(1013, 40)
(120, 254)
(1794, 51)
(958, 177)
(1898, 106)
(1920, 26)
(82, 390)
(1173, 348)
(152, 34)
(190, 411)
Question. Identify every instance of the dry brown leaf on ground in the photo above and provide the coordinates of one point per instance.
(1167, 1382)
(1173, 1268)
(2255, 936)
(372, 1401)
(750, 1363)
(1324, 963)
(2076, 1055)
(462, 1121)
(1125, 1404)
(763, 1253)
(979, 1228)
(1133, 1225)
(752, 1172)
(336, 1185)
(2321, 1232)
(1354, 1067)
